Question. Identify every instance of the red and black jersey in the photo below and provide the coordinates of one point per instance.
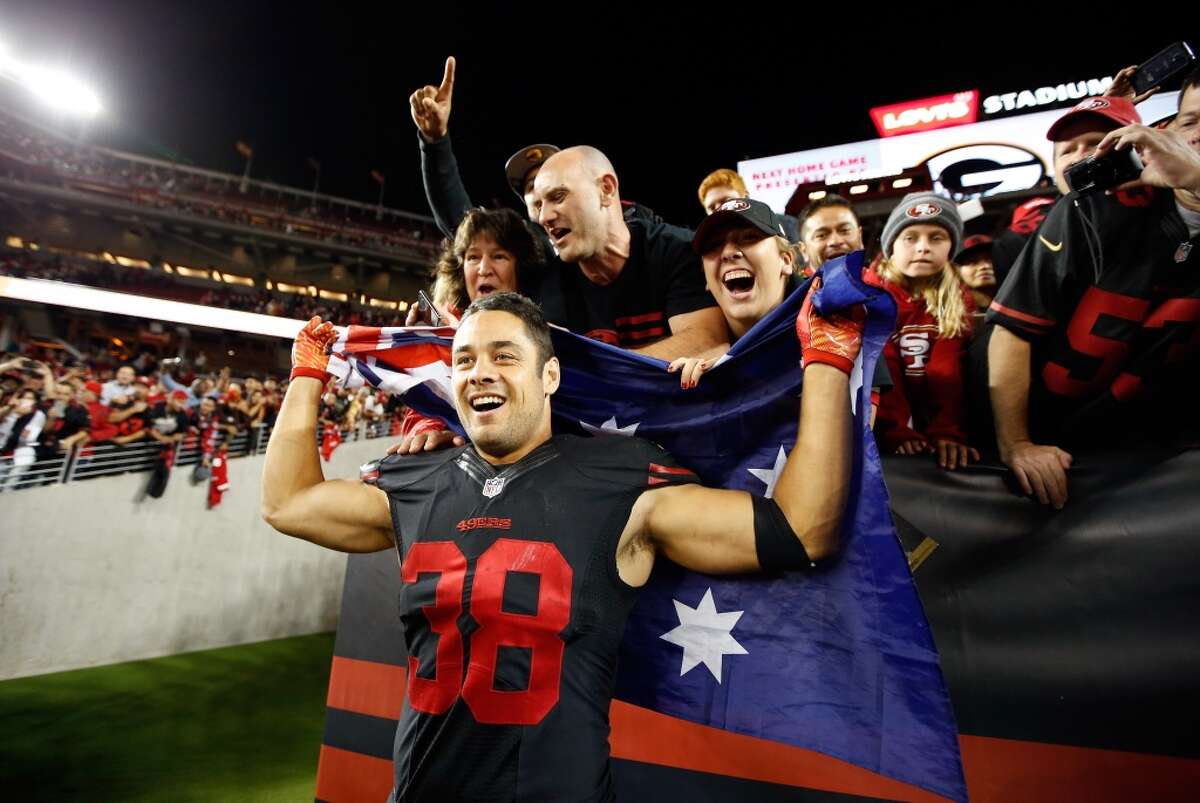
(926, 401)
(513, 612)
(661, 278)
(1108, 293)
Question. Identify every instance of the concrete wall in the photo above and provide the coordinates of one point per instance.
(90, 575)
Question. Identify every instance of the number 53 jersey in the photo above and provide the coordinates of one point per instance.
(513, 612)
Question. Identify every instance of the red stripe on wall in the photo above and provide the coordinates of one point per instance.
(366, 687)
(345, 777)
(639, 734)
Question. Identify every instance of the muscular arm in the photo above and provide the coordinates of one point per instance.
(712, 530)
(297, 500)
(1040, 470)
(692, 333)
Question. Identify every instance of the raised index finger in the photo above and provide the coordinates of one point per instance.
(447, 79)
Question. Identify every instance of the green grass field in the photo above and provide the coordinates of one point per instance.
(234, 724)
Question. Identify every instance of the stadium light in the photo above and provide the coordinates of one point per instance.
(54, 87)
(58, 89)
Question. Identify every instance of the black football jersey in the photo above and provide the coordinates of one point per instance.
(513, 611)
(1108, 293)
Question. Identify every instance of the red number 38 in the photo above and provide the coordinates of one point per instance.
(537, 632)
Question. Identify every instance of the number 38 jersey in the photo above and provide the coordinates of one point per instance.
(513, 612)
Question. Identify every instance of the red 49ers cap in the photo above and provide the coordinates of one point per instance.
(1116, 111)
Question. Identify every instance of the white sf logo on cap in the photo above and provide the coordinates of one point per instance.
(734, 205)
(924, 210)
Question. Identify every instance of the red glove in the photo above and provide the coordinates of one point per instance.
(310, 350)
(835, 340)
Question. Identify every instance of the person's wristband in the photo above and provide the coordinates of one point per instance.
(312, 373)
(824, 357)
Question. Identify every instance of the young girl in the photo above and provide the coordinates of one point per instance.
(925, 411)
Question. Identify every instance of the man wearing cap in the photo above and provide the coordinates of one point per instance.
(974, 262)
(1100, 316)
(169, 420)
(1075, 136)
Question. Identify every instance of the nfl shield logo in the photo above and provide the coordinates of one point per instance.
(493, 487)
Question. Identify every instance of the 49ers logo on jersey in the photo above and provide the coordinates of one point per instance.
(915, 343)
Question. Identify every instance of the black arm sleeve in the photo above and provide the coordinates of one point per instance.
(444, 190)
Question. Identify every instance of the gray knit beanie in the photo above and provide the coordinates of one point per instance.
(923, 207)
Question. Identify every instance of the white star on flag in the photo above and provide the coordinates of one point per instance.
(610, 427)
(856, 382)
(770, 476)
(705, 635)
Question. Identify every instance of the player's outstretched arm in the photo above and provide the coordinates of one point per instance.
(297, 500)
(729, 531)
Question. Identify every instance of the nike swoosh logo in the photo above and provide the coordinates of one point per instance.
(1052, 246)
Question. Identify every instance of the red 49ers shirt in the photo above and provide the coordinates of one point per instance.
(926, 401)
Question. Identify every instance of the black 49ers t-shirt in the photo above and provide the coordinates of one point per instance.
(1108, 293)
(661, 278)
(513, 612)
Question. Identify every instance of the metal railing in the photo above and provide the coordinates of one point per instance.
(106, 459)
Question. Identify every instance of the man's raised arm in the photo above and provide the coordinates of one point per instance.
(719, 531)
(430, 106)
(297, 500)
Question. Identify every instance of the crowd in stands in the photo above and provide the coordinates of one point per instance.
(25, 146)
(52, 404)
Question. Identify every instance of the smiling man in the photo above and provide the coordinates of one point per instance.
(521, 554)
(829, 229)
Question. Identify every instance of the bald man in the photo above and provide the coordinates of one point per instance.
(630, 282)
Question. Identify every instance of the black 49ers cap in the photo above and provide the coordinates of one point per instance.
(520, 163)
(745, 210)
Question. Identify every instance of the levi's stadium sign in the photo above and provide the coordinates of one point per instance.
(1007, 153)
(926, 114)
(1042, 96)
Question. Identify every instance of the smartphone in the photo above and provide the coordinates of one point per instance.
(1163, 66)
(425, 305)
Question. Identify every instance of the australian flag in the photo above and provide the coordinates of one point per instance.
(838, 660)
